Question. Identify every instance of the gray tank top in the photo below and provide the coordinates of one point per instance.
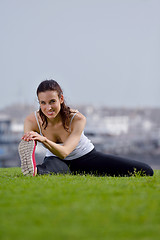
(84, 146)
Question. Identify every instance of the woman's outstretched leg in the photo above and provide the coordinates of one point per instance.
(52, 165)
(104, 164)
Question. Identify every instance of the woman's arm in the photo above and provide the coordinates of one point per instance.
(30, 124)
(62, 151)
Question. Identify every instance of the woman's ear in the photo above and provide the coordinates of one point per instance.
(61, 99)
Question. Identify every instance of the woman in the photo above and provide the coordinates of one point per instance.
(61, 130)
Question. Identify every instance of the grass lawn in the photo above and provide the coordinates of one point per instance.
(78, 207)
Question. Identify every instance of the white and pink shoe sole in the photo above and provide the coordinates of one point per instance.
(27, 155)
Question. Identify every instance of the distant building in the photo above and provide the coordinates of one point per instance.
(111, 125)
(5, 127)
(10, 134)
(116, 125)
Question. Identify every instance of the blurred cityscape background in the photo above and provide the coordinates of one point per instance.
(105, 54)
(130, 132)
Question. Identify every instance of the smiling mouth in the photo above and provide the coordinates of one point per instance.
(50, 113)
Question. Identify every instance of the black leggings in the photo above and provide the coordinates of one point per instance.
(95, 163)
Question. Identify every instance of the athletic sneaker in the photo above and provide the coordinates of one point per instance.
(27, 155)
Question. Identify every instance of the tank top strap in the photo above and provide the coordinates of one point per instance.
(72, 120)
(35, 113)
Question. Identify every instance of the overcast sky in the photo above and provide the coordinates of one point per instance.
(102, 52)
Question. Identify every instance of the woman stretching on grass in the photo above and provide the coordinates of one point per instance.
(61, 130)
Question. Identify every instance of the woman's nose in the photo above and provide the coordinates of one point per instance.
(49, 107)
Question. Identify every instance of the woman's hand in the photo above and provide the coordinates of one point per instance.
(33, 136)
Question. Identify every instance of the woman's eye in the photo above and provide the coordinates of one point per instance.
(42, 103)
(52, 101)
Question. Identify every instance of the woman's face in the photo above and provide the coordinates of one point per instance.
(50, 103)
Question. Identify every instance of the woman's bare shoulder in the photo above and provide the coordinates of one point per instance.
(31, 117)
(30, 123)
(78, 115)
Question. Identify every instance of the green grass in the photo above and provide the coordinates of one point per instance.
(78, 207)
